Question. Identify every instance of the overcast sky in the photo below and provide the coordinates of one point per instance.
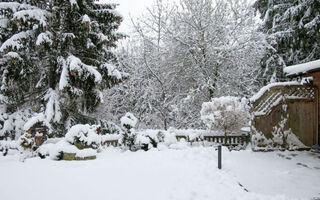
(129, 8)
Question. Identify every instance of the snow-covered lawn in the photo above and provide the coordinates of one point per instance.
(185, 174)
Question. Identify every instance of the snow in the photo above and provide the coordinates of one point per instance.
(53, 150)
(32, 14)
(109, 137)
(128, 119)
(44, 38)
(74, 3)
(64, 77)
(13, 6)
(269, 86)
(53, 111)
(8, 144)
(85, 18)
(15, 42)
(35, 119)
(14, 122)
(75, 64)
(85, 133)
(112, 71)
(302, 68)
(13, 55)
(220, 113)
(188, 173)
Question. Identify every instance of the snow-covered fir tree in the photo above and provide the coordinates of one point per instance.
(293, 34)
(56, 58)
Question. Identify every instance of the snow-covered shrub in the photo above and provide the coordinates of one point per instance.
(84, 136)
(5, 146)
(128, 122)
(12, 125)
(108, 127)
(26, 142)
(147, 140)
(227, 114)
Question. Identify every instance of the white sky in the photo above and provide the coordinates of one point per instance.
(127, 8)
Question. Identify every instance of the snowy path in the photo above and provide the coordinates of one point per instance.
(163, 175)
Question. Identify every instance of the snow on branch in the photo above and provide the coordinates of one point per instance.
(63, 82)
(35, 14)
(13, 55)
(44, 38)
(75, 64)
(74, 3)
(112, 71)
(13, 6)
(37, 118)
(85, 18)
(52, 112)
(16, 41)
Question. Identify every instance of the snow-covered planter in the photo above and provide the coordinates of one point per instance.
(63, 150)
(227, 114)
(84, 136)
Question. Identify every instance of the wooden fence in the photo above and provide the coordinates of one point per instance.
(229, 140)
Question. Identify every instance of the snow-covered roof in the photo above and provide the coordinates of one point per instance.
(302, 68)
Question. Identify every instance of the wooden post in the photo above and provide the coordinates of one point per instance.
(219, 157)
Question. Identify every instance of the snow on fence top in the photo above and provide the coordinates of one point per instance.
(302, 68)
(268, 87)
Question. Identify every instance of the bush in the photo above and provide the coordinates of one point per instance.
(227, 114)
(84, 136)
(128, 122)
(26, 141)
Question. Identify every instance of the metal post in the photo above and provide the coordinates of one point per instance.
(219, 156)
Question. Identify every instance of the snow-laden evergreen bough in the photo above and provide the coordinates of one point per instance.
(56, 58)
(293, 35)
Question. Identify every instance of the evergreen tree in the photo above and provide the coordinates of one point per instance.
(293, 34)
(56, 57)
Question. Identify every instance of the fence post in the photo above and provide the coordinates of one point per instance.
(219, 156)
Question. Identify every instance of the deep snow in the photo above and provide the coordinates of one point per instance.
(190, 173)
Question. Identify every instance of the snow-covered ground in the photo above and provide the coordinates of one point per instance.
(189, 173)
